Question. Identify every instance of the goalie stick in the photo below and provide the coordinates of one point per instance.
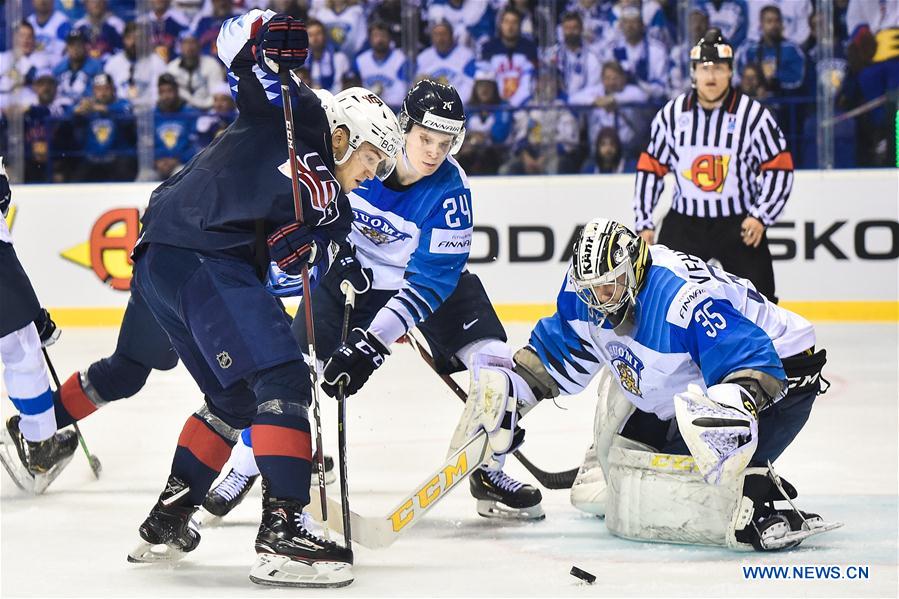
(550, 480)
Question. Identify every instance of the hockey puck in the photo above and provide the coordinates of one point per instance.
(583, 575)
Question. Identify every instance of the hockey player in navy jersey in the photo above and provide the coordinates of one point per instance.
(209, 234)
(703, 383)
(31, 449)
(412, 236)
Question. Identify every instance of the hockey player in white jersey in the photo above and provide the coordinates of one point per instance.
(31, 449)
(704, 383)
(412, 235)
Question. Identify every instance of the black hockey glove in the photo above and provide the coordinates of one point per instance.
(294, 244)
(347, 268)
(46, 328)
(353, 362)
(281, 43)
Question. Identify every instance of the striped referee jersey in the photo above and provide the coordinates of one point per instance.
(728, 161)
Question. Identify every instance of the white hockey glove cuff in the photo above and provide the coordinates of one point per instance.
(491, 407)
(720, 429)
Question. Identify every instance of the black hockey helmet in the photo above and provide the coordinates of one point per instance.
(712, 47)
(437, 107)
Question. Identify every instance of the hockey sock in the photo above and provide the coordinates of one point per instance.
(117, 377)
(203, 448)
(26, 381)
(242, 459)
(72, 401)
(280, 433)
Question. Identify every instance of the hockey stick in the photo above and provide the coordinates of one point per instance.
(550, 480)
(378, 533)
(92, 460)
(307, 298)
(350, 299)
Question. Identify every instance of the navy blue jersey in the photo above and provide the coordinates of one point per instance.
(242, 179)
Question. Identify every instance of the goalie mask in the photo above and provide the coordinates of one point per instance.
(609, 265)
(437, 107)
(367, 119)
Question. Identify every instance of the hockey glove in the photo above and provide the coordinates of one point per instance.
(353, 362)
(720, 428)
(46, 328)
(281, 43)
(347, 268)
(5, 193)
(294, 245)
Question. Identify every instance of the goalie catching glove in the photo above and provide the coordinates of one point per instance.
(353, 362)
(720, 429)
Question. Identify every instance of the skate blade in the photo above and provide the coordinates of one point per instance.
(43, 480)
(795, 537)
(146, 553)
(206, 519)
(493, 509)
(9, 457)
(281, 571)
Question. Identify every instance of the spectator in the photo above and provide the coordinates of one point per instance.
(655, 24)
(326, 66)
(645, 60)
(607, 157)
(77, 70)
(102, 30)
(547, 137)
(752, 82)
(20, 66)
(294, 8)
(382, 67)
(135, 77)
(512, 58)
(195, 73)
(350, 79)
(207, 27)
(217, 119)
(41, 122)
(730, 16)
(614, 100)
(596, 17)
(391, 12)
(166, 24)
(782, 62)
(345, 24)
(104, 135)
(794, 13)
(447, 61)
(525, 8)
(580, 66)
(473, 22)
(487, 127)
(50, 28)
(189, 8)
(680, 78)
(874, 58)
(173, 145)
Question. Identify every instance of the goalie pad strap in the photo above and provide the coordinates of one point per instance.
(763, 387)
(529, 367)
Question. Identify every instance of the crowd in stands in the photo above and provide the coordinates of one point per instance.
(551, 86)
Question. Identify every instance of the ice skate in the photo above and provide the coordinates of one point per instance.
(501, 496)
(34, 465)
(169, 532)
(290, 554)
(228, 494)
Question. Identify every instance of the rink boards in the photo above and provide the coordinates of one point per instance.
(836, 244)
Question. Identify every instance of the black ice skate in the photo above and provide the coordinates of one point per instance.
(33, 466)
(228, 494)
(168, 532)
(501, 496)
(289, 554)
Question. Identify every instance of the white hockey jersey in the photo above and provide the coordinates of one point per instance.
(456, 68)
(384, 77)
(693, 323)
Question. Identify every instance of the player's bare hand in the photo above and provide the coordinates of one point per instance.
(648, 235)
(751, 231)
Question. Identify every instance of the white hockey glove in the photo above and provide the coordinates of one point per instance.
(720, 429)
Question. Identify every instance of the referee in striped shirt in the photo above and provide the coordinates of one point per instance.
(730, 164)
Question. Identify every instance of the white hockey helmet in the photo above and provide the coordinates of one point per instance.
(368, 119)
(608, 253)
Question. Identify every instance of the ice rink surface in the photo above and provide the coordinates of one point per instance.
(72, 541)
